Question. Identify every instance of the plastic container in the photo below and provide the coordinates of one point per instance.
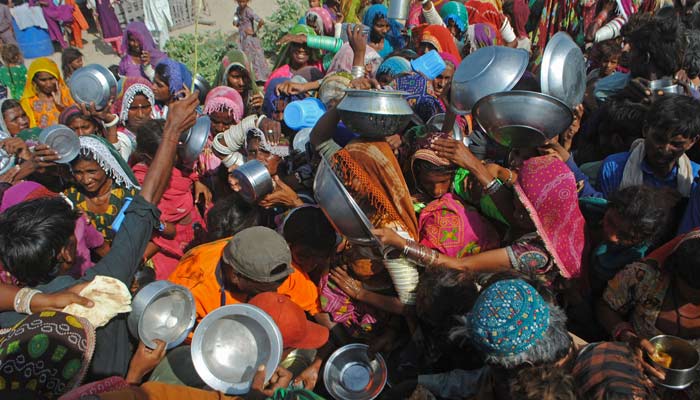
(429, 64)
(303, 113)
(34, 42)
(117, 223)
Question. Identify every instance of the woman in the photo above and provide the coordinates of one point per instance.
(485, 12)
(179, 216)
(67, 16)
(237, 72)
(546, 223)
(142, 55)
(170, 81)
(384, 35)
(556, 15)
(440, 86)
(320, 19)
(14, 120)
(71, 59)
(656, 296)
(295, 56)
(342, 61)
(248, 24)
(45, 94)
(435, 37)
(103, 183)
(13, 75)
(109, 25)
(135, 106)
(81, 124)
(455, 17)
(224, 107)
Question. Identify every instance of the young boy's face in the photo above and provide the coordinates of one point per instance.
(609, 65)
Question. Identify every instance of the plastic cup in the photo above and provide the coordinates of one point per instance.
(303, 113)
(429, 64)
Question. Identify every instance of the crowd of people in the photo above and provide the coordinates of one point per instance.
(503, 273)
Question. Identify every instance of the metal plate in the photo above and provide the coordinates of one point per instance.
(193, 140)
(63, 140)
(563, 70)
(93, 84)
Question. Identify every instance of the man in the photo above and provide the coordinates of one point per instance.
(233, 270)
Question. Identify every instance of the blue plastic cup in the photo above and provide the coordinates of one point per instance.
(305, 113)
(429, 64)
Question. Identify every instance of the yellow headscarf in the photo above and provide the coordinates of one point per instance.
(29, 96)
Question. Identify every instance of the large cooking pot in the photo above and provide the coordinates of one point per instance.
(375, 113)
(685, 362)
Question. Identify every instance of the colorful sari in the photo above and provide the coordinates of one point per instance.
(441, 38)
(557, 15)
(43, 113)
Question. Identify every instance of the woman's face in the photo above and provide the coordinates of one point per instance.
(236, 80)
(452, 27)
(134, 45)
(221, 121)
(425, 47)
(380, 28)
(441, 84)
(300, 55)
(77, 63)
(161, 90)
(45, 82)
(90, 176)
(435, 183)
(16, 120)
(253, 151)
(139, 111)
(82, 127)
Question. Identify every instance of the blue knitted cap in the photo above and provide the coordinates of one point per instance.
(508, 318)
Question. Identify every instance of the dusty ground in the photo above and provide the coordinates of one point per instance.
(220, 13)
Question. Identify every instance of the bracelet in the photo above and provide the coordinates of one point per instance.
(510, 177)
(421, 255)
(621, 328)
(113, 123)
(23, 300)
(358, 71)
(493, 187)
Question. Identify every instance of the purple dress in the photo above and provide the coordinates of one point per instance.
(108, 20)
(55, 16)
(127, 67)
(250, 45)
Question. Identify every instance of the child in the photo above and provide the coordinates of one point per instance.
(13, 75)
(7, 32)
(606, 57)
(249, 41)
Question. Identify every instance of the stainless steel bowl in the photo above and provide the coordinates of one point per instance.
(255, 180)
(93, 84)
(63, 140)
(436, 122)
(203, 86)
(666, 85)
(7, 161)
(350, 374)
(340, 208)
(162, 310)
(486, 71)
(193, 140)
(563, 70)
(375, 113)
(684, 365)
(521, 118)
(231, 342)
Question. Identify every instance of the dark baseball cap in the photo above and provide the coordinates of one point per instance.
(257, 253)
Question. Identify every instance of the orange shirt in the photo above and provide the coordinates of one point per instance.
(197, 272)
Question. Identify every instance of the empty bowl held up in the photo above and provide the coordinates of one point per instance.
(162, 310)
(231, 342)
(685, 362)
(93, 84)
(520, 118)
(563, 70)
(254, 179)
(375, 113)
(193, 140)
(351, 375)
(63, 140)
(666, 85)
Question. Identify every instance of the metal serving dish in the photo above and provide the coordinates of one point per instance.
(684, 365)
(522, 119)
(340, 208)
(375, 113)
(489, 70)
(436, 122)
(162, 310)
(93, 84)
(63, 140)
(231, 342)
(7, 161)
(193, 140)
(350, 374)
(667, 86)
(203, 86)
(563, 70)
(255, 180)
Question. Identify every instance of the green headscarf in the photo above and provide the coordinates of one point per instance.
(283, 58)
(109, 160)
(236, 58)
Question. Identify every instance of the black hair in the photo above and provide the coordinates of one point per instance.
(647, 212)
(310, 228)
(9, 104)
(606, 50)
(229, 216)
(684, 262)
(32, 236)
(83, 155)
(426, 166)
(691, 59)
(162, 72)
(69, 55)
(675, 115)
(148, 138)
(661, 41)
(444, 293)
(114, 69)
(247, 82)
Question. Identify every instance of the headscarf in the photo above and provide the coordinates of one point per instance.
(236, 58)
(271, 102)
(109, 160)
(224, 98)
(394, 66)
(324, 22)
(41, 65)
(457, 12)
(547, 189)
(69, 113)
(283, 58)
(177, 75)
(61, 344)
(24, 191)
(140, 32)
(449, 58)
(441, 38)
(508, 318)
(423, 103)
(3, 125)
(333, 86)
(609, 368)
(484, 35)
(131, 87)
(309, 73)
(393, 39)
(342, 61)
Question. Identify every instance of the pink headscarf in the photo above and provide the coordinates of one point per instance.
(224, 98)
(324, 17)
(547, 189)
(448, 57)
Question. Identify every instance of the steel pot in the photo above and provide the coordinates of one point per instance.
(375, 113)
(162, 310)
(684, 365)
(255, 180)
